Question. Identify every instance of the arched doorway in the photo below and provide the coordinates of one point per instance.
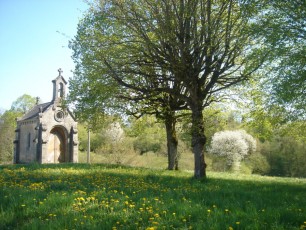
(57, 146)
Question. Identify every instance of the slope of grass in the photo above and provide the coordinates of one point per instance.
(80, 196)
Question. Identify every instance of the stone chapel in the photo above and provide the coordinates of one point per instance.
(48, 132)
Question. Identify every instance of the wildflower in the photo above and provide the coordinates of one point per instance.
(23, 205)
(209, 211)
(237, 222)
(230, 228)
(150, 228)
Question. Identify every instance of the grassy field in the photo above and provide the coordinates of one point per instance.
(97, 196)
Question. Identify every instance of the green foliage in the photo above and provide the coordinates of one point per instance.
(7, 135)
(258, 164)
(23, 103)
(286, 156)
(282, 25)
(8, 124)
(147, 144)
(96, 138)
(149, 135)
(147, 51)
(79, 196)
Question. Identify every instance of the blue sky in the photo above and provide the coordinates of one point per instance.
(34, 37)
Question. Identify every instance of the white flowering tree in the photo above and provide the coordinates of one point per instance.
(234, 145)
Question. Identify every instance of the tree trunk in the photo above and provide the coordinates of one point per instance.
(172, 142)
(198, 141)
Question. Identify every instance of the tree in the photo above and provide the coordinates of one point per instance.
(93, 95)
(234, 145)
(23, 103)
(191, 50)
(8, 123)
(283, 26)
(7, 135)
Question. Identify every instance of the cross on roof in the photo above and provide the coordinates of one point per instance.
(60, 71)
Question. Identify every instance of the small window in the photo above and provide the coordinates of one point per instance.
(29, 140)
(61, 90)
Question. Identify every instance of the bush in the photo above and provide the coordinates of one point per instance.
(258, 164)
(147, 144)
(286, 156)
(233, 145)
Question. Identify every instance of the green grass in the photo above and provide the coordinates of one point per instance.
(80, 196)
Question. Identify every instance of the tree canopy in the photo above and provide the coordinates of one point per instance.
(23, 103)
(191, 50)
(282, 24)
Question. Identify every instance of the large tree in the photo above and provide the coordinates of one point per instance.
(94, 92)
(189, 49)
(282, 24)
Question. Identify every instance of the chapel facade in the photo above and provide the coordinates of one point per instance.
(48, 132)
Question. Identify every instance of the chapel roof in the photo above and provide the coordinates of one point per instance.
(34, 112)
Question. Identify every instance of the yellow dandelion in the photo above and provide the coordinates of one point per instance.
(150, 228)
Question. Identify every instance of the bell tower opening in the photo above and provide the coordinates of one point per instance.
(59, 87)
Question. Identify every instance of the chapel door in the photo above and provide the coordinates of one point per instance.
(56, 150)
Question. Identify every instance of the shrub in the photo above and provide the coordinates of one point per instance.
(147, 144)
(233, 145)
(286, 156)
(258, 164)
